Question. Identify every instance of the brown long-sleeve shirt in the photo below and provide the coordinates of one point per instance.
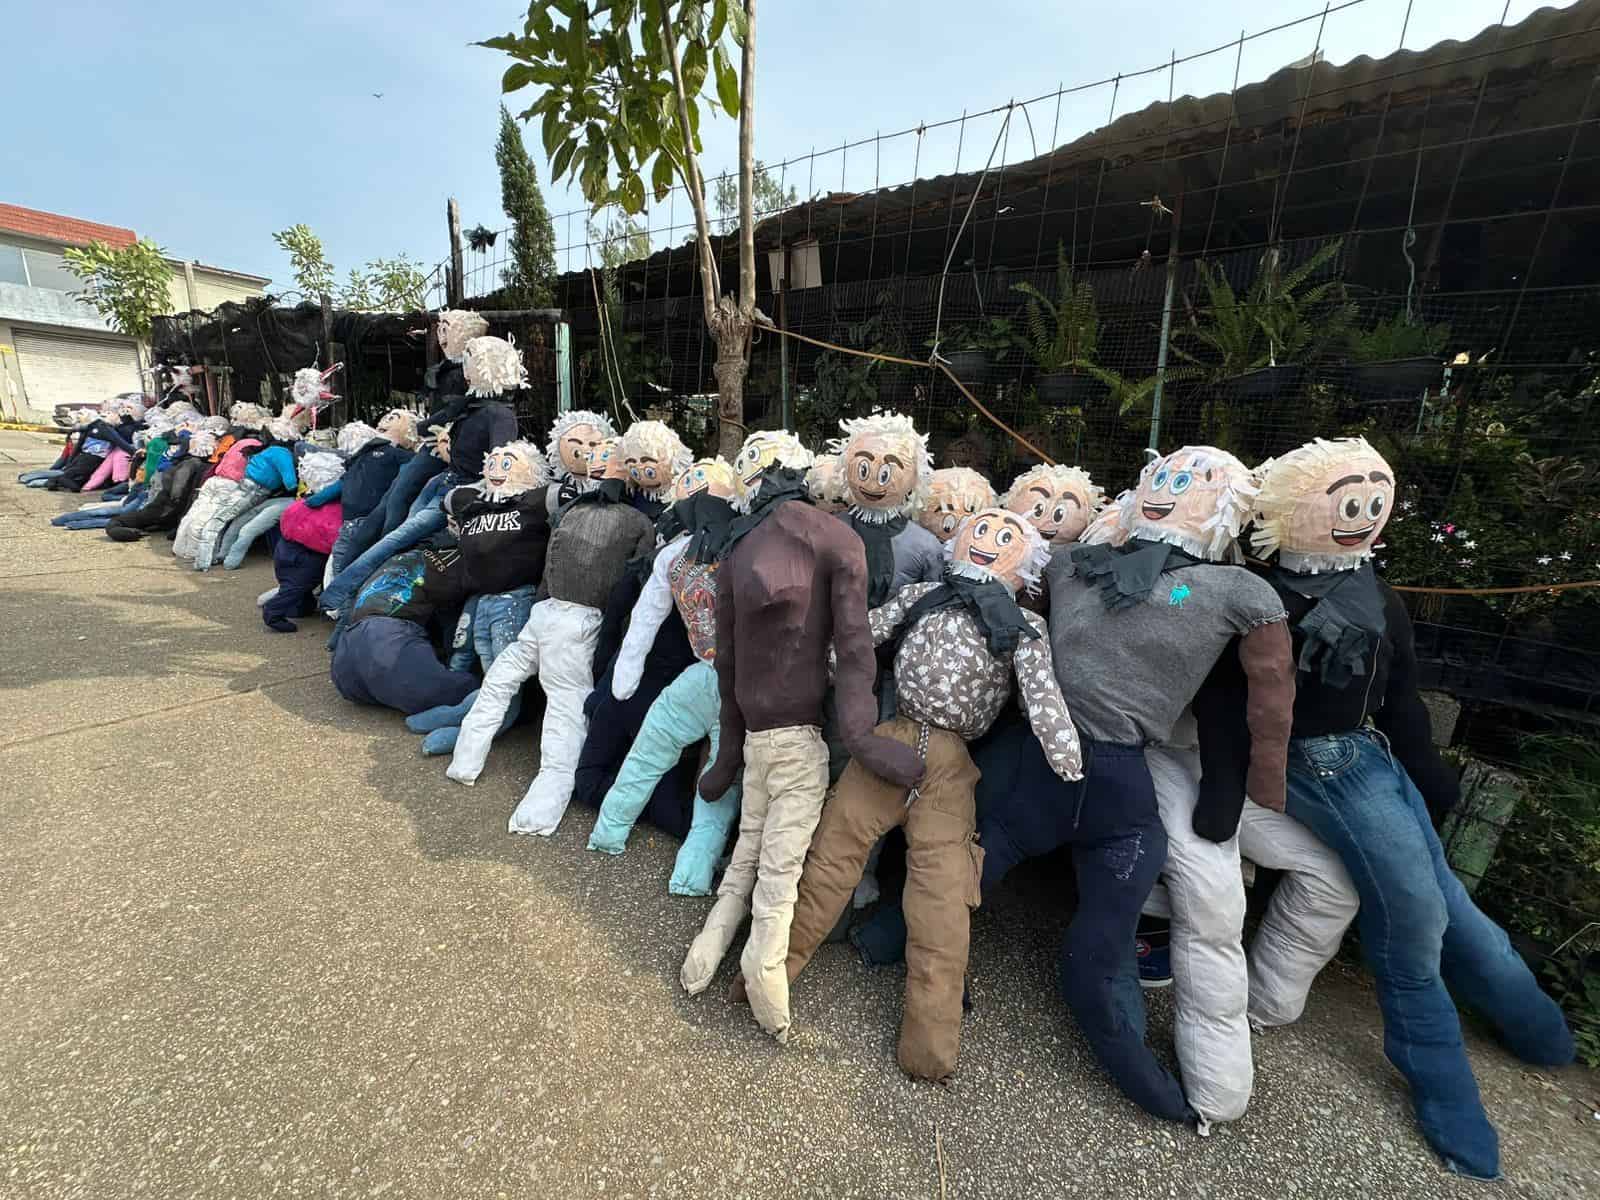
(790, 587)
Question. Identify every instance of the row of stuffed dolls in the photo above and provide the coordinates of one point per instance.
(994, 677)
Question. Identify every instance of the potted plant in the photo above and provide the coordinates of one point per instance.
(1396, 357)
(1061, 337)
(972, 350)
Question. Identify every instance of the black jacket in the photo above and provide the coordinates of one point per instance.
(476, 427)
(502, 542)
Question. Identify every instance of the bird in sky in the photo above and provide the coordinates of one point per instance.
(377, 95)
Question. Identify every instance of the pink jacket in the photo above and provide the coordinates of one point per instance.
(313, 528)
(233, 462)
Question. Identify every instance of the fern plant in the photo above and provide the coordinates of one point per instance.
(1396, 338)
(1061, 334)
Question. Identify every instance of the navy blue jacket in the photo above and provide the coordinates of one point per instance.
(368, 474)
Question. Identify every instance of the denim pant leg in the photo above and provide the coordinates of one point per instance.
(499, 618)
(463, 646)
(1348, 791)
(408, 483)
(337, 595)
(355, 537)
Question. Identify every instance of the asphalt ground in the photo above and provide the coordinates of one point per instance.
(253, 944)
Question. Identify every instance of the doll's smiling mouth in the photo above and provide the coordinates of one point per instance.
(871, 495)
(981, 559)
(1157, 511)
(1352, 537)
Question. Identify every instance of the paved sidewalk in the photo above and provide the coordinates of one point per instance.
(252, 944)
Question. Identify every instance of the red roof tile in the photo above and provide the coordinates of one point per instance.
(38, 224)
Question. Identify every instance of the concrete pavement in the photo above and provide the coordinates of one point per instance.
(252, 944)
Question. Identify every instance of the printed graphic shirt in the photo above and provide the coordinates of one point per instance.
(503, 542)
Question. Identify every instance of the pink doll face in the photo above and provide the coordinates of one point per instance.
(396, 425)
(711, 475)
(578, 447)
(953, 494)
(755, 456)
(996, 540)
(1181, 495)
(606, 463)
(1059, 510)
(1343, 508)
(880, 469)
(508, 471)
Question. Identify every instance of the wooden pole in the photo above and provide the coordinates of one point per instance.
(457, 281)
(1166, 325)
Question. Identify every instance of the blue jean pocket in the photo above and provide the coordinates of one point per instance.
(1328, 756)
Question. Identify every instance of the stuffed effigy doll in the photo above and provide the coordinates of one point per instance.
(369, 473)
(574, 439)
(1363, 774)
(309, 395)
(791, 583)
(503, 534)
(1136, 629)
(244, 434)
(1059, 502)
(188, 470)
(954, 494)
(887, 471)
(826, 484)
(687, 710)
(591, 542)
(305, 539)
(655, 456)
(269, 470)
(958, 646)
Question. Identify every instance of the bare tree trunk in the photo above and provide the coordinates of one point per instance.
(747, 208)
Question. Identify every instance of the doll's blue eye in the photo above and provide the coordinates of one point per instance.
(1181, 482)
(1160, 481)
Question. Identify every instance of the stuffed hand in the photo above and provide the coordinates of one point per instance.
(888, 759)
(1265, 787)
(719, 776)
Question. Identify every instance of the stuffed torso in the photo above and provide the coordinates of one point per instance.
(413, 586)
(591, 544)
(314, 528)
(503, 541)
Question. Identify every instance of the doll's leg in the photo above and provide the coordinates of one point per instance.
(205, 503)
(797, 778)
(506, 675)
(463, 651)
(670, 725)
(249, 525)
(231, 506)
(1311, 908)
(708, 832)
(100, 477)
(566, 672)
(942, 882)
(1210, 979)
(738, 881)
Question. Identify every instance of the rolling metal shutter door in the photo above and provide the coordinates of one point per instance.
(57, 370)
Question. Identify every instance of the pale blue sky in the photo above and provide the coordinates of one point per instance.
(207, 126)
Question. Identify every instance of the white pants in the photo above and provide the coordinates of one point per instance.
(210, 497)
(556, 643)
(1218, 994)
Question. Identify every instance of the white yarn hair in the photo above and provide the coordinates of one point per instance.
(558, 429)
(215, 425)
(493, 367)
(1235, 504)
(1112, 523)
(1059, 476)
(791, 454)
(528, 451)
(250, 416)
(408, 433)
(896, 425)
(283, 429)
(1284, 481)
(131, 408)
(658, 440)
(825, 487)
(354, 435)
(202, 443)
(457, 327)
(319, 468)
(306, 389)
(1031, 572)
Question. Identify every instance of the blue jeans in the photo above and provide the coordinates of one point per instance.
(1420, 932)
(419, 470)
(426, 519)
(355, 538)
(492, 623)
(100, 515)
(37, 479)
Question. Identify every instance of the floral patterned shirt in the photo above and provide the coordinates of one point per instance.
(947, 676)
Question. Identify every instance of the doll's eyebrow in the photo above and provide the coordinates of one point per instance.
(863, 454)
(1339, 483)
(1380, 477)
(1075, 501)
(1043, 491)
(891, 458)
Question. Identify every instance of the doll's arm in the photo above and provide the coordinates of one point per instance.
(1045, 705)
(1264, 653)
(649, 611)
(328, 494)
(857, 667)
(1404, 719)
(891, 614)
(718, 777)
(1224, 737)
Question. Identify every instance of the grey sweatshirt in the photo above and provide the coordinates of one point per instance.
(589, 548)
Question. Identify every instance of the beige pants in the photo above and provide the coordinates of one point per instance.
(785, 777)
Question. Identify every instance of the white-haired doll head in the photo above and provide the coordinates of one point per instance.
(954, 493)
(457, 327)
(215, 426)
(1197, 498)
(654, 456)
(493, 367)
(997, 544)
(713, 476)
(399, 426)
(1322, 506)
(826, 484)
(1112, 525)
(573, 439)
(512, 469)
(1059, 501)
(887, 467)
(318, 469)
(353, 435)
(158, 423)
(762, 449)
(249, 416)
(283, 429)
(309, 388)
(202, 443)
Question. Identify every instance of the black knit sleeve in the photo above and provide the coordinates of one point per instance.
(1404, 718)
(1219, 712)
(614, 620)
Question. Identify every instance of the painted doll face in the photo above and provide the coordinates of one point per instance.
(578, 446)
(880, 469)
(1344, 508)
(996, 540)
(755, 456)
(1059, 510)
(508, 471)
(710, 475)
(441, 444)
(1181, 495)
(396, 426)
(606, 463)
(954, 494)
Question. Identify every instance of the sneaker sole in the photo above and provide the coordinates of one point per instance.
(1155, 985)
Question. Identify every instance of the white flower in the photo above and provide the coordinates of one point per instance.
(1543, 560)
(1472, 545)
(1461, 533)
(1466, 562)
(1438, 537)
(1566, 556)
(1406, 506)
